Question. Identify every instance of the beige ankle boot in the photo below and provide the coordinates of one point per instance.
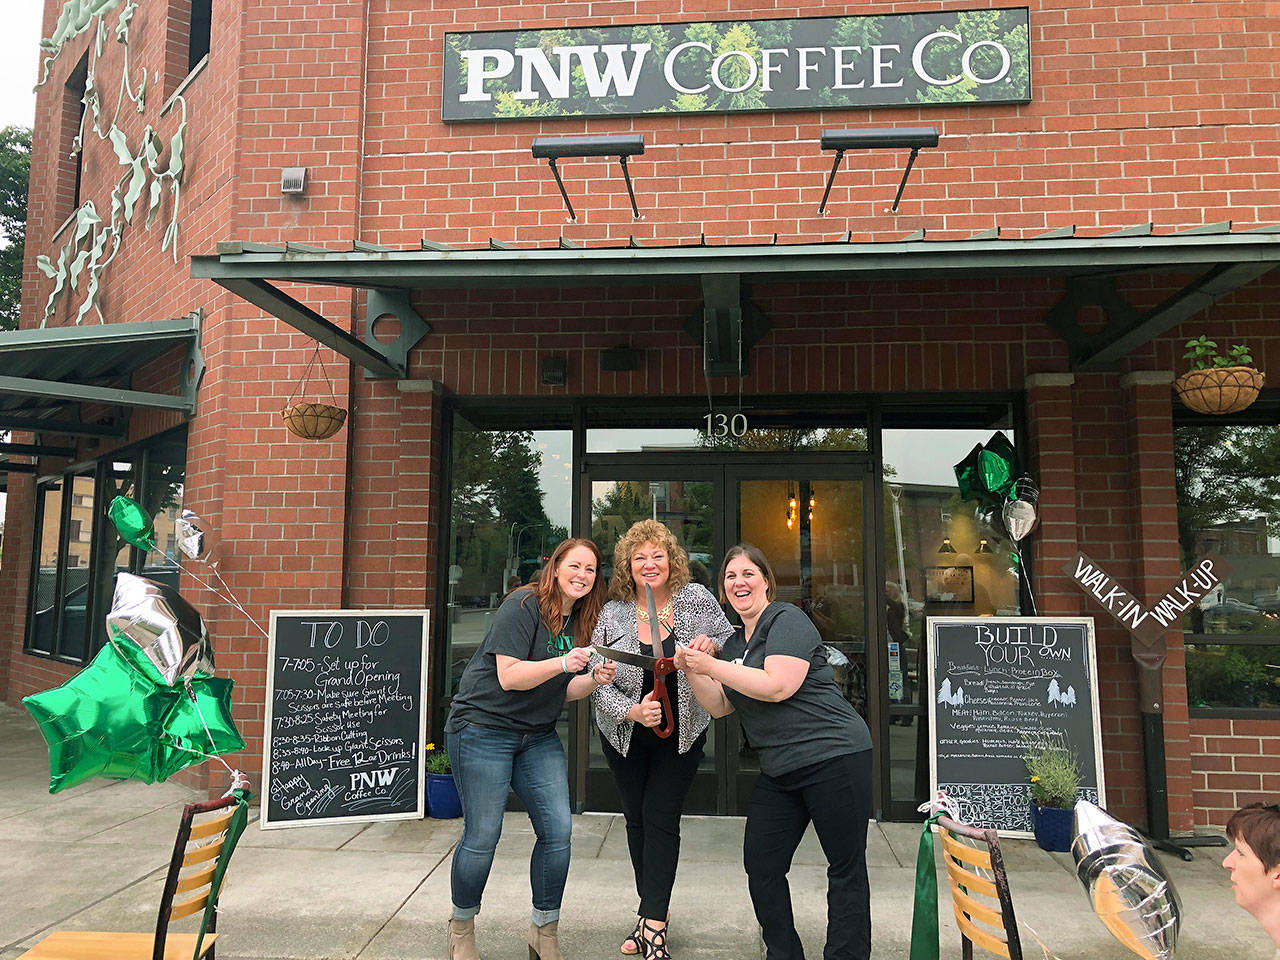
(544, 941)
(462, 940)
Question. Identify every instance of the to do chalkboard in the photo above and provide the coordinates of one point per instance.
(345, 718)
(996, 682)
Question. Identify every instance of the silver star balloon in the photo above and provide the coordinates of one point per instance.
(1126, 884)
(195, 539)
(153, 617)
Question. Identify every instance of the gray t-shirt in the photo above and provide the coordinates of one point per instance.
(517, 631)
(816, 722)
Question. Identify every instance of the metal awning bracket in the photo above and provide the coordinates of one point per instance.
(393, 303)
(728, 325)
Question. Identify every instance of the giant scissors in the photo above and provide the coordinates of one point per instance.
(658, 665)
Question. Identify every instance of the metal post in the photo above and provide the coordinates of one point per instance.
(555, 171)
(830, 179)
(905, 173)
(635, 211)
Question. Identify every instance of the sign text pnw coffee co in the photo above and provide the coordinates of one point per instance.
(941, 58)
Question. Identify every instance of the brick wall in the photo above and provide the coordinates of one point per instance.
(1143, 112)
(1234, 762)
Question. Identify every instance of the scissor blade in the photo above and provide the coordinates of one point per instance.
(655, 629)
(622, 656)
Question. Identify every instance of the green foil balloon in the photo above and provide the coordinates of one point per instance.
(195, 719)
(106, 721)
(133, 522)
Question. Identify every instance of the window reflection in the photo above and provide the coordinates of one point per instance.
(509, 508)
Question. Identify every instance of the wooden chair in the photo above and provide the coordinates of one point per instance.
(202, 850)
(979, 890)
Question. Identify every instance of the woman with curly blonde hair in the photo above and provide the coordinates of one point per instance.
(653, 774)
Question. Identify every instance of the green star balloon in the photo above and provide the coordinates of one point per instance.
(133, 522)
(105, 721)
(117, 719)
(199, 725)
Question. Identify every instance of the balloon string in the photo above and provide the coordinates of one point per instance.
(1048, 954)
(228, 597)
(1022, 571)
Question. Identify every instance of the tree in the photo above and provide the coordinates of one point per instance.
(15, 171)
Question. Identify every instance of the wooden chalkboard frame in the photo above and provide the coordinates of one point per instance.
(420, 810)
(931, 642)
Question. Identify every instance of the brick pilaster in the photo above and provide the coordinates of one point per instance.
(1052, 462)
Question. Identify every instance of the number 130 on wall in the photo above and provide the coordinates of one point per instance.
(724, 425)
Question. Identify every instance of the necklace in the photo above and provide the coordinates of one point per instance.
(664, 613)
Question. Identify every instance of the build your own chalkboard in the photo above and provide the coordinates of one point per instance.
(995, 683)
(345, 718)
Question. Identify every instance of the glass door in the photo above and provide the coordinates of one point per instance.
(688, 500)
(809, 521)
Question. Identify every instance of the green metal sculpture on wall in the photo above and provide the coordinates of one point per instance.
(84, 252)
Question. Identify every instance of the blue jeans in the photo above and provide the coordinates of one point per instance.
(486, 765)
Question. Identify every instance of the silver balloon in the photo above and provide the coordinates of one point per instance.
(195, 539)
(1019, 518)
(166, 628)
(1126, 884)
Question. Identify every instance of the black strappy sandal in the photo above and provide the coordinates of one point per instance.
(636, 937)
(654, 943)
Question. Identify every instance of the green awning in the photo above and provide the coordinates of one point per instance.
(48, 374)
(1220, 259)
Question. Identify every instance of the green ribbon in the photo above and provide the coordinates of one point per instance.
(924, 914)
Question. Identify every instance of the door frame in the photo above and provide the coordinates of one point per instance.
(724, 469)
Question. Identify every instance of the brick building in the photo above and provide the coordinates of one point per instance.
(1045, 262)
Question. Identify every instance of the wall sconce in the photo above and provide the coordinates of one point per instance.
(875, 139)
(984, 547)
(552, 149)
(947, 546)
(812, 503)
(791, 513)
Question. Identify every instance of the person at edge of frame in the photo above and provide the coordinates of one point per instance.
(815, 757)
(653, 774)
(1254, 864)
(501, 736)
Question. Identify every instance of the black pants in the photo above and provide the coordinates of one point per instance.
(836, 796)
(653, 781)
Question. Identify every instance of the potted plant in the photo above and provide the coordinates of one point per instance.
(1054, 771)
(1218, 384)
(443, 802)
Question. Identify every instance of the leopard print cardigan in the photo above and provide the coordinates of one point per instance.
(696, 612)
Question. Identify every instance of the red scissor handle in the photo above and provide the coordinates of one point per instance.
(664, 666)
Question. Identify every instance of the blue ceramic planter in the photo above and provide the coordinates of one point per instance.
(443, 802)
(1052, 827)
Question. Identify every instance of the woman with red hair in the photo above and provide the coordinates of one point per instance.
(501, 736)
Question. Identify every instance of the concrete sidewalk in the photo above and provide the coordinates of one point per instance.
(94, 857)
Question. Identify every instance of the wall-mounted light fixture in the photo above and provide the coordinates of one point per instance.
(984, 546)
(552, 149)
(876, 139)
(947, 546)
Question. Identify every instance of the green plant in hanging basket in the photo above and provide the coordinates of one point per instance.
(1218, 383)
(313, 420)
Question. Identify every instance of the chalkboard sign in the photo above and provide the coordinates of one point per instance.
(996, 683)
(345, 718)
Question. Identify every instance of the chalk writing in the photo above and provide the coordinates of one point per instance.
(345, 717)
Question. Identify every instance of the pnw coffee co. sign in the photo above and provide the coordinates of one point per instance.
(820, 63)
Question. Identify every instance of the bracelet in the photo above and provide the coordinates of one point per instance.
(594, 678)
(564, 663)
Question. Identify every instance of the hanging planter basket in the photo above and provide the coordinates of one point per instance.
(313, 421)
(1219, 390)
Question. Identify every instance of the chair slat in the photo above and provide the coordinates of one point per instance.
(976, 909)
(200, 878)
(981, 937)
(187, 907)
(210, 827)
(962, 851)
(96, 945)
(201, 854)
(971, 881)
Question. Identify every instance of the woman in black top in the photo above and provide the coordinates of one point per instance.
(653, 773)
(815, 757)
(501, 736)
